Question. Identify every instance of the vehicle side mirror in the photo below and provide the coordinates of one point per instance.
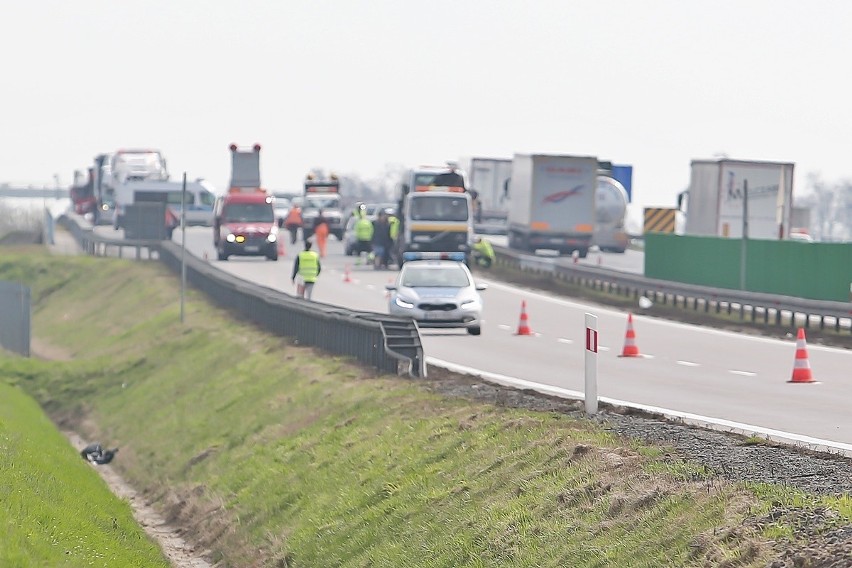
(280, 222)
(390, 286)
(481, 286)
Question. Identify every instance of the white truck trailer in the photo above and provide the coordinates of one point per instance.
(489, 178)
(553, 203)
(716, 199)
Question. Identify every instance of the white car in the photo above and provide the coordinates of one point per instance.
(437, 294)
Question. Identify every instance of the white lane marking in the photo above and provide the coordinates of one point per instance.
(743, 373)
(563, 340)
(716, 423)
(504, 326)
(370, 287)
(602, 348)
(656, 321)
(688, 363)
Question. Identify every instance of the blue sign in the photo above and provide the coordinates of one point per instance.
(624, 175)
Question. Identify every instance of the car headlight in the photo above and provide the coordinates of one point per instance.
(231, 237)
(471, 305)
(272, 238)
(402, 303)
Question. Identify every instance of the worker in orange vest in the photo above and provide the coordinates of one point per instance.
(293, 222)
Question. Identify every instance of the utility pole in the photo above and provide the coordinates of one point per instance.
(182, 247)
(744, 247)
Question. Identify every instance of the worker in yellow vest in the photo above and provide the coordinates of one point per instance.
(306, 269)
(483, 253)
(394, 233)
(363, 237)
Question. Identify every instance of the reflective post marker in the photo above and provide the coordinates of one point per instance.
(591, 364)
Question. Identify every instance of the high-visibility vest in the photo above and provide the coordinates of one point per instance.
(308, 265)
(294, 217)
(363, 229)
(483, 247)
(394, 227)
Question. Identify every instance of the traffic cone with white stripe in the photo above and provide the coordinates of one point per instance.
(630, 347)
(346, 277)
(523, 325)
(801, 366)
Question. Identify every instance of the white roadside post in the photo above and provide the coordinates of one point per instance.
(591, 364)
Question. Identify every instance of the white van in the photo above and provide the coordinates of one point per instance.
(200, 197)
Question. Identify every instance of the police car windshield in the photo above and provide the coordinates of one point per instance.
(434, 277)
(249, 213)
(438, 208)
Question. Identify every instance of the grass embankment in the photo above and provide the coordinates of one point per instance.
(276, 455)
(54, 509)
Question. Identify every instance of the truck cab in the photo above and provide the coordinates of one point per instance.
(436, 218)
(323, 195)
(244, 221)
(244, 225)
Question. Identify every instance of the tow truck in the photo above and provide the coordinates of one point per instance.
(436, 215)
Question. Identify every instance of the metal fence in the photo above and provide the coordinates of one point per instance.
(15, 317)
(769, 309)
(390, 344)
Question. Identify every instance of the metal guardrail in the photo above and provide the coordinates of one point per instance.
(770, 309)
(98, 245)
(387, 343)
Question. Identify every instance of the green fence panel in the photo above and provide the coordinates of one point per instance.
(693, 260)
(818, 271)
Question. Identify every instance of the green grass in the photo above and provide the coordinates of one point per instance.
(54, 508)
(268, 451)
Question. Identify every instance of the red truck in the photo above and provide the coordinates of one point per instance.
(244, 219)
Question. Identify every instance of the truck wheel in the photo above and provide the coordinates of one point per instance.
(272, 256)
(474, 330)
(220, 254)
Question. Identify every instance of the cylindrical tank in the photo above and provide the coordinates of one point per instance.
(610, 208)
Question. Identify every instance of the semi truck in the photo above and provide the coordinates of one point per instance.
(436, 215)
(553, 203)
(489, 179)
(721, 190)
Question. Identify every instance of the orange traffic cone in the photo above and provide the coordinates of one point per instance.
(801, 366)
(523, 325)
(630, 348)
(346, 277)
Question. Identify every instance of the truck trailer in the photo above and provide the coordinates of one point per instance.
(720, 191)
(553, 203)
(489, 178)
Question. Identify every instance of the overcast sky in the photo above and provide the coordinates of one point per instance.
(352, 86)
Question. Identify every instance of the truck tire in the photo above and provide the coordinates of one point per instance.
(474, 330)
(221, 255)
